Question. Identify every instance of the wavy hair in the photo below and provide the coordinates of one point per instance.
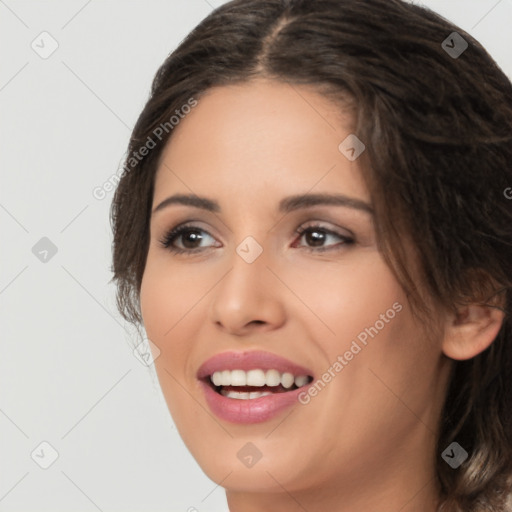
(438, 165)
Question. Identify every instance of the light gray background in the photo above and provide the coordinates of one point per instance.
(67, 372)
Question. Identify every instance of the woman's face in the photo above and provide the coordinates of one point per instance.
(323, 299)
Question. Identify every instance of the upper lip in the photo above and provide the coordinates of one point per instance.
(250, 360)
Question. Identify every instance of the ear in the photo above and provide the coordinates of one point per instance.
(471, 330)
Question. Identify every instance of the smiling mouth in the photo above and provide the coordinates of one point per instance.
(268, 384)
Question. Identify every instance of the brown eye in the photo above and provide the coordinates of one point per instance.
(316, 236)
(190, 238)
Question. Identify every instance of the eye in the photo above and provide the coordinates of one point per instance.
(316, 235)
(190, 237)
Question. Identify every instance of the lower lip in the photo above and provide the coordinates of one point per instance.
(253, 410)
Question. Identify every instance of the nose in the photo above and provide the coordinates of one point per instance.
(248, 298)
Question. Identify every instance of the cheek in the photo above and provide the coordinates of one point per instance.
(173, 299)
(347, 296)
(167, 298)
(362, 314)
(167, 294)
(161, 309)
(384, 352)
(155, 300)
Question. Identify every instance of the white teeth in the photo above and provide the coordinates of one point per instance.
(273, 378)
(302, 380)
(287, 380)
(238, 378)
(240, 395)
(216, 378)
(257, 377)
(226, 378)
(257, 394)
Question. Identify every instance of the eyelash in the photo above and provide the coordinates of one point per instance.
(168, 239)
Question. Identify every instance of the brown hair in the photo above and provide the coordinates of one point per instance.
(438, 160)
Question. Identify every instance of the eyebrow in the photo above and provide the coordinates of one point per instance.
(286, 205)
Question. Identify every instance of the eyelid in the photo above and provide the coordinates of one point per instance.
(320, 225)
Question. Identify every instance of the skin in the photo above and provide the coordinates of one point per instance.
(367, 440)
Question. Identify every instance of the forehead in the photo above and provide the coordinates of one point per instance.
(257, 137)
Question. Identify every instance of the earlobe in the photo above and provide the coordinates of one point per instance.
(471, 331)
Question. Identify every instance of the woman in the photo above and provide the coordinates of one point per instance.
(313, 228)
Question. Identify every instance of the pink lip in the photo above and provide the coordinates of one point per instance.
(255, 410)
